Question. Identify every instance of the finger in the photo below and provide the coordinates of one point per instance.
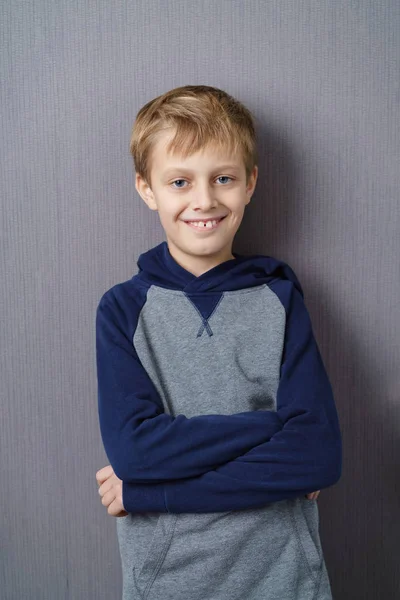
(106, 486)
(103, 474)
(108, 498)
(114, 508)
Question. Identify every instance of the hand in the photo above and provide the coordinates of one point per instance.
(313, 495)
(110, 490)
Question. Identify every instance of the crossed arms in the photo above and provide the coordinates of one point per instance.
(211, 463)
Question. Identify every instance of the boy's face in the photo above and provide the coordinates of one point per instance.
(208, 184)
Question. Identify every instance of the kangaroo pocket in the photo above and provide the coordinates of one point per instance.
(143, 541)
(268, 552)
(305, 519)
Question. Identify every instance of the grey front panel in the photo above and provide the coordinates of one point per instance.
(232, 368)
(230, 365)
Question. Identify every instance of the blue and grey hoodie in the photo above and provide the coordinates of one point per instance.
(217, 414)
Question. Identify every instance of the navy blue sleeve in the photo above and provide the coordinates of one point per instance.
(305, 455)
(142, 442)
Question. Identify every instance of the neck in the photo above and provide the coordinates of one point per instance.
(197, 264)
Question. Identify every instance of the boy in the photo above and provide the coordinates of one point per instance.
(215, 409)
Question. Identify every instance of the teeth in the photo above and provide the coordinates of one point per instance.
(207, 224)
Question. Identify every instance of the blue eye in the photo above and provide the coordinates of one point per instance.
(178, 180)
(181, 180)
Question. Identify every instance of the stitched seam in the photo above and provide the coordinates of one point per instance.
(303, 552)
(251, 290)
(205, 322)
(160, 561)
(165, 498)
(215, 307)
(318, 585)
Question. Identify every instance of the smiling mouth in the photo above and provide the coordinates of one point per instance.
(205, 225)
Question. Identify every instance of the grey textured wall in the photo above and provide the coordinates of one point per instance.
(323, 81)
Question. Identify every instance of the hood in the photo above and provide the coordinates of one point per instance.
(158, 267)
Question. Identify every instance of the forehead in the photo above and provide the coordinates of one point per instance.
(209, 157)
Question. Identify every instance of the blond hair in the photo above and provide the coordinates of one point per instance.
(200, 115)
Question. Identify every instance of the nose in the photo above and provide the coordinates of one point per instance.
(204, 198)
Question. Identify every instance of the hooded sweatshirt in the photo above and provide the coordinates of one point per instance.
(217, 414)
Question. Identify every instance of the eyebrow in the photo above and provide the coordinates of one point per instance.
(184, 170)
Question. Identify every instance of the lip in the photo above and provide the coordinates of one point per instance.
(208, 219)
(205, 229)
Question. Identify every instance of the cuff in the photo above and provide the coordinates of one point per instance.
(143, 497)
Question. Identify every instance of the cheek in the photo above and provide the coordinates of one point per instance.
(168, 215)
(237, 207)
(237, 200)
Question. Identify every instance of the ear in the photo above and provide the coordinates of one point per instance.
(251, 185)
(144, 190)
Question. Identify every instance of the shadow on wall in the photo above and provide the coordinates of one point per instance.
(359, 522)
